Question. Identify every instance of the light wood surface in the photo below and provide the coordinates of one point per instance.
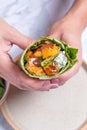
(6, 115)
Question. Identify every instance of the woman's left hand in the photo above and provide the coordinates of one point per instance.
(68, 30)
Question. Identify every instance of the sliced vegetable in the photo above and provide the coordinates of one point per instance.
(47, 61)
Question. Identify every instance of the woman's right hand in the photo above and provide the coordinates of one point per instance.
(8, 69)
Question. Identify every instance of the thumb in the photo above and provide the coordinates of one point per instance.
(69, 74)
(16, 37)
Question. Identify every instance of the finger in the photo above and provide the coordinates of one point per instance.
(71, 39)
(10, 72)
(16, 37)
(17, 77)
(70, 73)
(55, 35)
(48, 87)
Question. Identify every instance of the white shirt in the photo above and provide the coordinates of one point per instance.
(33, 17)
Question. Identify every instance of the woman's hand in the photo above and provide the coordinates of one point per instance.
(8, 69)
(68, 30)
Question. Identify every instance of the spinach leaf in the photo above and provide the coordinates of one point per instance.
(2, 90)
(2, 87)
(72, 52)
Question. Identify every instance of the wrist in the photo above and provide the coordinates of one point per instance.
(74, 23)
(78, 13)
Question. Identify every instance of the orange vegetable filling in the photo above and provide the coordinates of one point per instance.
(50, 69)
(47, 50)
(31, 67)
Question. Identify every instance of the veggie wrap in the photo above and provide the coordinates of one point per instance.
(48, 58)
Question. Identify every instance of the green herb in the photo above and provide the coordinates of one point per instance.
(2, 90)
(2, 82)
(72, 52)
(2, 87)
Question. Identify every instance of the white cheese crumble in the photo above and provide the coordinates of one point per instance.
(60, 60)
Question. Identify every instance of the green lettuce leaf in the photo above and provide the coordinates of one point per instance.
(2, 87)
(72, 53)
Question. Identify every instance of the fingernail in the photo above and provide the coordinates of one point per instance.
(54, 87)
(50, 86)
(46, 83)
(55, 81)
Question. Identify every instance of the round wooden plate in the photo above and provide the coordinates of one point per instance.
(64, 108)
